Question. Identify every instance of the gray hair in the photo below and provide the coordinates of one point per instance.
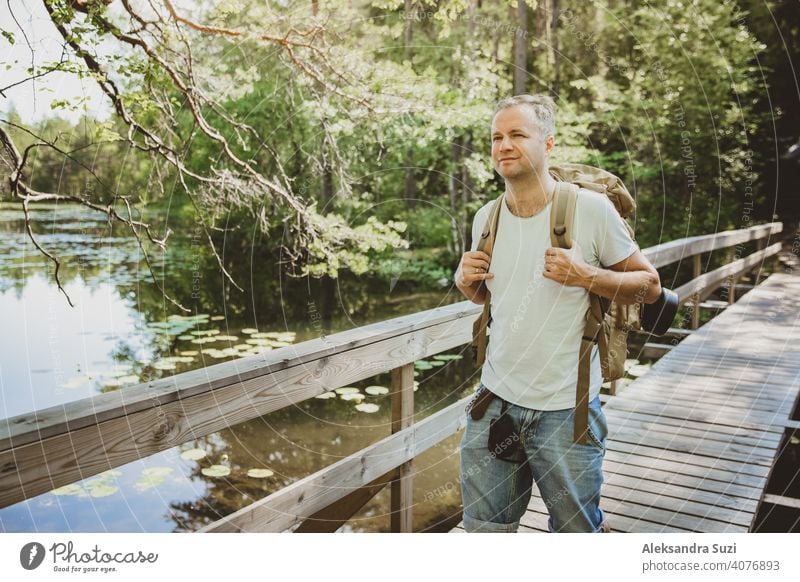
(542, 107)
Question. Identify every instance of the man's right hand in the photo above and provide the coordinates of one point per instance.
(473, 269)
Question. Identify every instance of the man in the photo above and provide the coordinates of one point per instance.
(539, 299)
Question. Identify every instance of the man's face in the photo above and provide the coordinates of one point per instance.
(518, 150)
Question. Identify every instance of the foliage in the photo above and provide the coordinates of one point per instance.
(345, 133)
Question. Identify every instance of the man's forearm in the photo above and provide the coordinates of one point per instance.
(625, 288)
(475, 292)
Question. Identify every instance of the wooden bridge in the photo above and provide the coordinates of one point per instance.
(690, 447)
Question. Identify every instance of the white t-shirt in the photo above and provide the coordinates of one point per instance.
(537, 324)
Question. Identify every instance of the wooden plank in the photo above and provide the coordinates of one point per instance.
(683, 409)
(386, 338)
(402, 488)
(618, 523)
(738, 399)
(688, 367)
(665, 430)
(688, 458)
(676, 478)
(715, 431)
(781, 500)
(678, 505)
(712, 449)
(644, 463)
(715, 278)
(697, 394)
(678, 250)
(711, 385)
(294, 503)
(614, 503)
(334, 516)
(65, 458)
(734, 506)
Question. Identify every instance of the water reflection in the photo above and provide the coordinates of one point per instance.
(122, 331)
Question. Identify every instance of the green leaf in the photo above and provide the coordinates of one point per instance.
(193, 454)
(216, 471)
(259, 473)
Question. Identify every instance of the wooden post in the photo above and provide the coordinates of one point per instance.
(731, 280)
(402, 498)
(760, 244)
(696, 297)
(612, 390)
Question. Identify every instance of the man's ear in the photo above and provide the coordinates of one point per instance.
(549, 143)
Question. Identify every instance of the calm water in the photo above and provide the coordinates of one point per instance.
(122, 330)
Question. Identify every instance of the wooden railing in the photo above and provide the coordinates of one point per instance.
(53, 447)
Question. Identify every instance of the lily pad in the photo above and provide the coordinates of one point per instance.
(280, 336)
(347, 390)
(164, 365)
(103, 490)
(71, 489)
(260, 473)
(249, 330)
(129, 379)
(376, 390)
(189, 353)
(76, 381)
(259, 342)
(226, 338)
(216, 471)
(357, 396)
(368, 407)
(185, 337)
(152, 477)
(638, 370)
(193, 454)
(448, 357)
(217, 317)
(326, 395)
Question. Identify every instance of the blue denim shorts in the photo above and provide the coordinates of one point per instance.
(496, 492)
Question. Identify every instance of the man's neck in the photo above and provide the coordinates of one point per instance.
(528, 196)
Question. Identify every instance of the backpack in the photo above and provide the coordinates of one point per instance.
(607, 322)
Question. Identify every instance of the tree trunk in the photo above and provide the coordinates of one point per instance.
(521, 49)
(554, 43)
(411, 176)
(455, 174)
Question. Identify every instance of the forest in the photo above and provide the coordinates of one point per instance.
(352, 136)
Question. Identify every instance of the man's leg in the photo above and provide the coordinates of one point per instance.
(569, 475)
(495, 492)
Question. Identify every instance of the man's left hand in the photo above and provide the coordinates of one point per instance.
(566, 266)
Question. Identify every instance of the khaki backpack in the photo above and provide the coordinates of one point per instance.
(607, 322)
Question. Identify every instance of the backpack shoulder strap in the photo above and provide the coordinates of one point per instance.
(485, 244)
(562, 214)
(489, 233)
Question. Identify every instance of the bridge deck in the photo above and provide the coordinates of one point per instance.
(691, 443)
